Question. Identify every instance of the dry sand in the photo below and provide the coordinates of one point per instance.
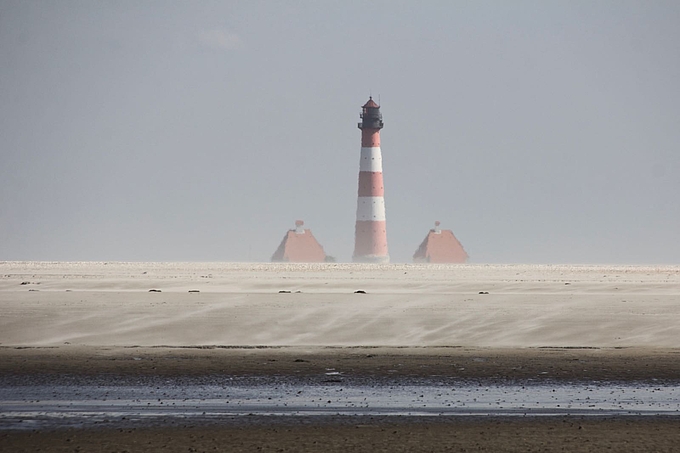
(552, 323)
(404, 305)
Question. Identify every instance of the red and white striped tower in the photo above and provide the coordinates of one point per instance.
(370, 238)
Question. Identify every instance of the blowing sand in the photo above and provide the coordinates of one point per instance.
(49, 304)
(80, 321)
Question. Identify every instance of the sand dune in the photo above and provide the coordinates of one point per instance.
(404, 305)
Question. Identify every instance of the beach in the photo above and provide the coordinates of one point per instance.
(110, 304)
(73, 324)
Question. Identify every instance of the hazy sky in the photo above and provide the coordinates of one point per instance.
(539, 131)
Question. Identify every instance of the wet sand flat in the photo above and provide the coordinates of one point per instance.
(491, 364)
(368, 435)
(373, 367)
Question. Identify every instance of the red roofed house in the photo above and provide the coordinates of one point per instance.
(440, 246)
(299, 246)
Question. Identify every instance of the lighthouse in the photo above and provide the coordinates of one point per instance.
(370, 237)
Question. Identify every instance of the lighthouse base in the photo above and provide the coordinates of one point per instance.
(379, 259)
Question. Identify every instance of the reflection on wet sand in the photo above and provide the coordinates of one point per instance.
(50, 406)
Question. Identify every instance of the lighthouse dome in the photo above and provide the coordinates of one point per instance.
(370, 104)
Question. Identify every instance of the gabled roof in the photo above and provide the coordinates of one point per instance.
(440, 246)
(299, 246)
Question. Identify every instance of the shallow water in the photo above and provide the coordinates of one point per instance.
(49, 406)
